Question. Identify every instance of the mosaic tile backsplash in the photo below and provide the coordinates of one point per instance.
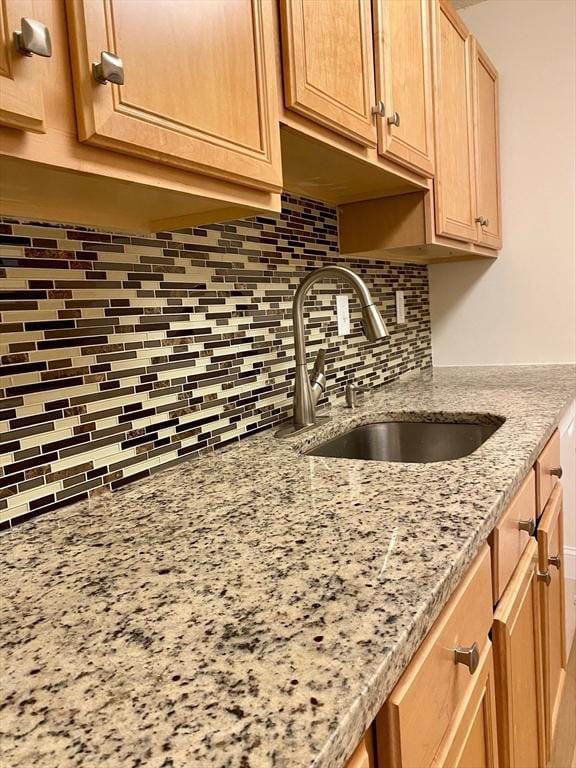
(123, 354)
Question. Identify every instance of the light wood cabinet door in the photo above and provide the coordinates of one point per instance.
(473, 741)
(421, 711)
(21, 97)
(517, 657)
(487, 149)
(404, 82)
(455, 186)
(199, 86)
(550, 561)
(328, 63)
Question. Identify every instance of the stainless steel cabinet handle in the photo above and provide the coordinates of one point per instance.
(467, 656)
(555, 560)
(482, 220)
(379, 109)
(527, 525)
(394, 119)
(110, 69)
(557, 472)
(33, 38)
(544, 576)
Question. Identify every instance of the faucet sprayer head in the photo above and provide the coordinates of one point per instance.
(373, 323)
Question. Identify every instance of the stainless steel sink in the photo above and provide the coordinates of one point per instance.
(407, 441)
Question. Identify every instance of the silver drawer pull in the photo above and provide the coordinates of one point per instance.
(33, 38)
(555, 560)
(556, 472)
(544, 577)
(110, 69)
(467, 656)
(394, 119)
(527, 525)
(379, 109)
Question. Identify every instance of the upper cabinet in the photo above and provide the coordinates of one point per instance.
(328, 64)
(459, 216)
(188, 83)
(404, 82)
(455, 178)
(487, 149)
(21, 97)
(152, 116)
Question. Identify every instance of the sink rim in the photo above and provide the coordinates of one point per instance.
(316, 440)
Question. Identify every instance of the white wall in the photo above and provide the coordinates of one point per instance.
(522, 307)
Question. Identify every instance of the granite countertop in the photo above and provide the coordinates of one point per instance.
(254, 607)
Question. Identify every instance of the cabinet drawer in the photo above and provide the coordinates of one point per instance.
(548, 469)
(422, 706)
(510, 537)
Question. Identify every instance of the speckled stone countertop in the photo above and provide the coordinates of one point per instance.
(255, 607)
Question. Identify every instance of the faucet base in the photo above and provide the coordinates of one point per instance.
(289, 429)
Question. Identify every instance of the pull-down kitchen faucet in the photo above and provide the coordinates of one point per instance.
(309, 389)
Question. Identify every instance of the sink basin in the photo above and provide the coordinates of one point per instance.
(407, 441)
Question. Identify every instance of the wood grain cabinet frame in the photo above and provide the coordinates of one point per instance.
(455, 185)
(402, 38)
(21, 95)
(199, 90)
(364, 756)
(328, 63)
(550, 561)
(517, 654)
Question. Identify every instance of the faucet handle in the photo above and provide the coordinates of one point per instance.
(319, 362)
(317, 377)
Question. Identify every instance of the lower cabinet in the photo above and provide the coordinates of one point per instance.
(517, 653)
(484, 688)
(550, 548)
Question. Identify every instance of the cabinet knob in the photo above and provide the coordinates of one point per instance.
(527, 525)
(33, 38)
(379, 109)
(482, 220)
(110, 69)
(544, 576)
(555, 560)
(557, 472)
(467, 656)
(394, 119)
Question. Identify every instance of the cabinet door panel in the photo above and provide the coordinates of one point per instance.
(454, 180)
(328, 64)
(517, 651)
(487, 150)
(199, 84)
(21, 98)
(550, 556)
(404, 81)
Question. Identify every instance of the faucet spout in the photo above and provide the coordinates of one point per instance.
(307, 392)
